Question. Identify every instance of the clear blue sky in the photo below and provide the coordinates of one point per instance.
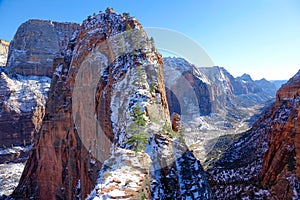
(261, 38)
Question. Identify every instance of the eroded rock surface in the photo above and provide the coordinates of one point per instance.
(3, 52)
(263, 163)
(35, 45)
(66, 152)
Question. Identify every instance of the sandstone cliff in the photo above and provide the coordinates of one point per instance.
(3, 52)
(35, 45)
(263, 163)
(281, 163)
(211, 102)
(22, 108)
(24, 82)
(110, 72)
(210, 89)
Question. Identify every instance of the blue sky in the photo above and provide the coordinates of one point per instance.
(261, 38)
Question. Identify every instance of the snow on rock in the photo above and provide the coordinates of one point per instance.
(26, 92)
(9, 177)
(35, 45)
(175, 172)
(125, 175)
(22, 107)
(243, 168)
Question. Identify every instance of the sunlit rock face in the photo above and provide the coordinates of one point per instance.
(211, 102)
(95, 86)
(263, 163)
(200, 91)
(35, 45)
(25, 80)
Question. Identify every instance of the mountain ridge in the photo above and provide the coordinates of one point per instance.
(111, 88)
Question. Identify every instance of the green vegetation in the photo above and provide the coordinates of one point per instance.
(140, 80)
(126, 15)
(168, 129)
(139, 139)
(152, 44)
(152, 40)
(221, 144)
(153, 87)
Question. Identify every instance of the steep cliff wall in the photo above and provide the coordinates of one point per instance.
(26, 79)
(90, 105)
(35, 45)
(22, 108)
(263, 163)
(281, 163)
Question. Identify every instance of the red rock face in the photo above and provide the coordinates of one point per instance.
(31, 52)
(264, 162)
(58, 159)
(66, 150)
(282, 159)
(175, 122)
(22, 108)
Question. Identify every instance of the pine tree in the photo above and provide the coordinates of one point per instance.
(139, 139)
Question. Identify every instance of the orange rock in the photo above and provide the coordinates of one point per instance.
(176, 122)
(62, 155)
(284, 141)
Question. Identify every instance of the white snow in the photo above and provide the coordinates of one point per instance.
(9, 177)
(14, 150)
(58, 70)
(26, 92)
(119, 172)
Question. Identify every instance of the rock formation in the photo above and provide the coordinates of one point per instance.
(175, 122)
(106, 130)
(210, 89)
(281, 163)
(211, 102)
(108, 88)
(263, 163)
(24, 84)
(267, 86)
(3, 52)
(22, 108)
(35, 45)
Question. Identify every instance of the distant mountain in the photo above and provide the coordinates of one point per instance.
(212, 102)
(278, 83)
(35, 45)
(264, 162)
(267, 86)
(213, 87)
(25, 80)
(248, 84)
